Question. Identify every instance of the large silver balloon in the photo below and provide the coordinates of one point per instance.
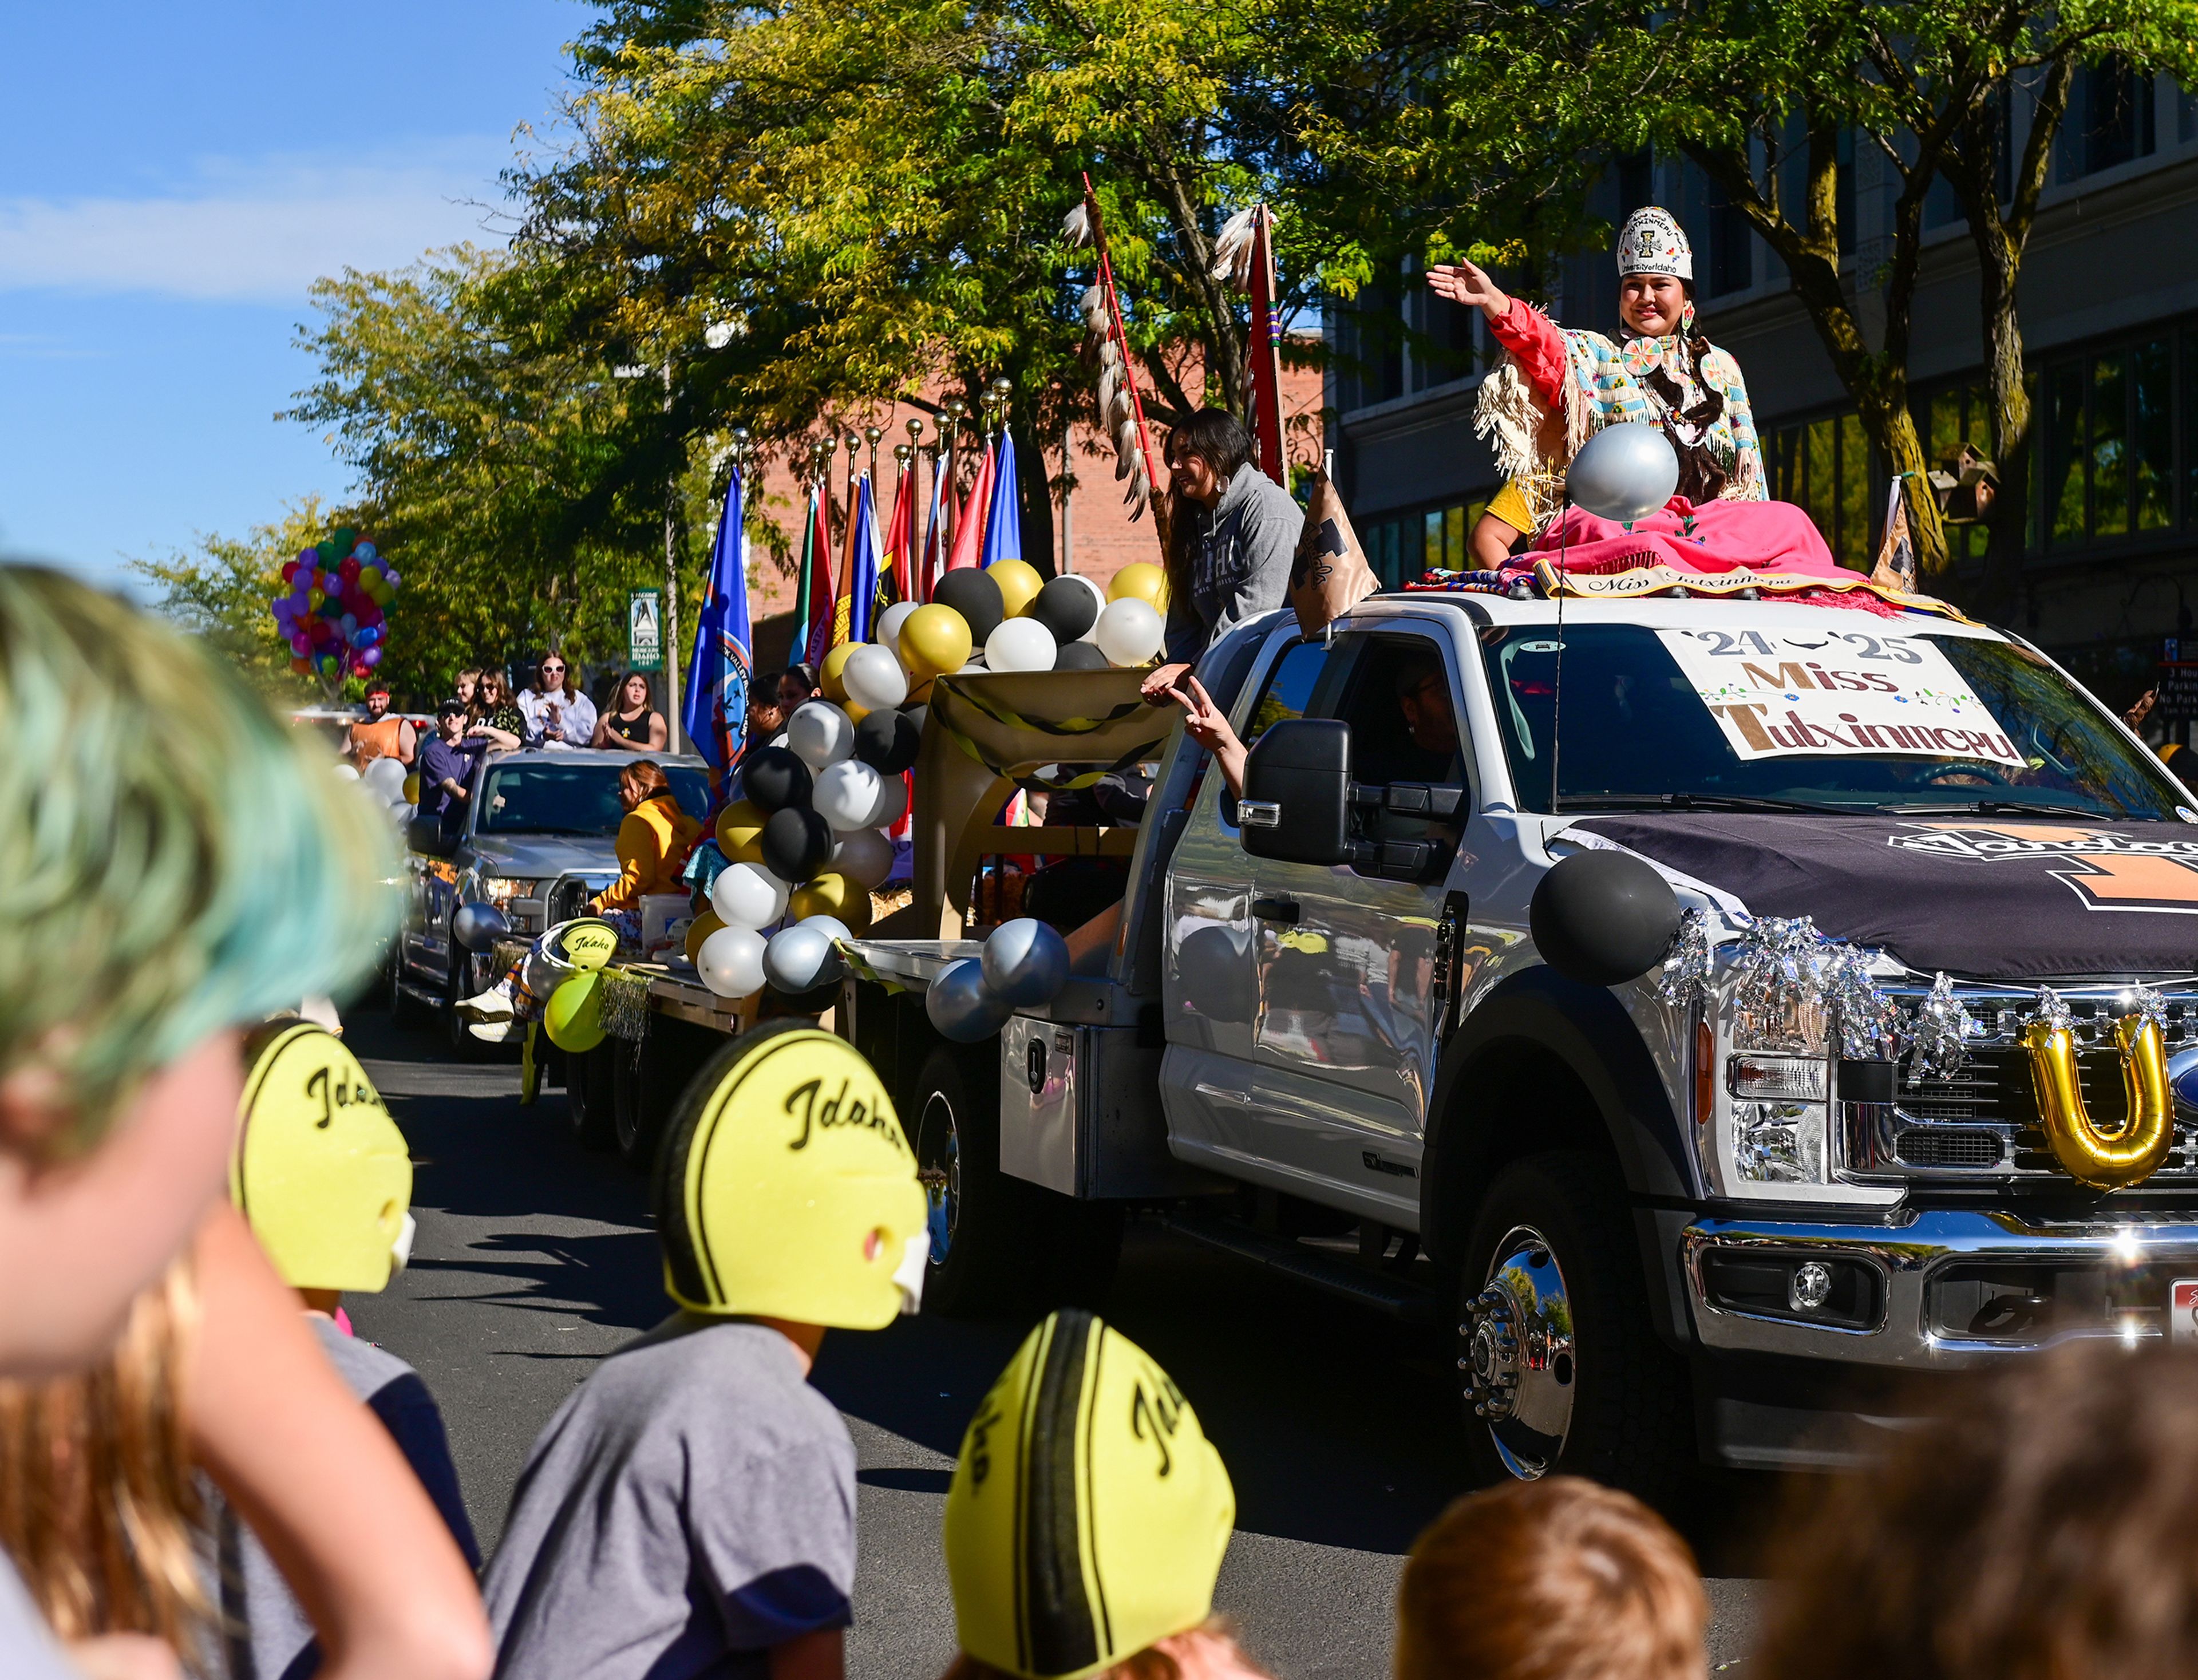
(1025, 962)
(477, 926)
(1624, 472)
(961, 1006)
(801, 958)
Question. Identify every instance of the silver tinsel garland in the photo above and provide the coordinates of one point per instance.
(1783, 964)
(1937, 1034)
(1686, 975)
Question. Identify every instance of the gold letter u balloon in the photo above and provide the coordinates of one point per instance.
(2132, 1153)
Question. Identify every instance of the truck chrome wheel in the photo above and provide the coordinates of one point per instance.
(939, 1170)
(1518, 1354)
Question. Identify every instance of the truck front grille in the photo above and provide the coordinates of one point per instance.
(1982, 1121)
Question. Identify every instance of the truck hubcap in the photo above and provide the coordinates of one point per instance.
(1518, 1355)
(939, 1170)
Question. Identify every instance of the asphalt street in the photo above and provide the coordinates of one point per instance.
(535, 1259)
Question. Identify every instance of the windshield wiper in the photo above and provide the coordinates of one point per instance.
(1694, 802)
(1991, 808)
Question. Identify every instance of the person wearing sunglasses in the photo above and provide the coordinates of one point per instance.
(557, 713)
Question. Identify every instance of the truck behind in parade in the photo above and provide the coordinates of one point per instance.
(1737, 1015)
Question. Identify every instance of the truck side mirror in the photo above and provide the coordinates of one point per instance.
(1603, 917)
(1296, 806)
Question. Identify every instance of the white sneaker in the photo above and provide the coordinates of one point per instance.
(493, 1031)
(492, 1005)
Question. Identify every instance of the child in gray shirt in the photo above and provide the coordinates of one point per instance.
(690, 1510)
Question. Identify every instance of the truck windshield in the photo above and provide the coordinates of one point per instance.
(1837, 721)
(571, 798)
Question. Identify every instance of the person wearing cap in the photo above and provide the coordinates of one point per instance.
(186, 869)
(1087, 1518)
(446, 777)
(378, 735)
(690, 1510)
(324, 1178)
(1558, 387)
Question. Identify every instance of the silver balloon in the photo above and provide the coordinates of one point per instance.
(1624, 472)
(478, 927)
(960, 1006)
(801, 958)
(1026, 963)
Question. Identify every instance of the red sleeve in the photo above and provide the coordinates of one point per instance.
(1537, 346)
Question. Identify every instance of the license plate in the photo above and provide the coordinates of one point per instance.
(2183, 1311)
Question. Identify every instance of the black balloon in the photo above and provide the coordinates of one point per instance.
(797, 844)
(1066, 607)
(887, 741)
(775, 778)
(1603, 917)
(1078, 656)
(973, 594)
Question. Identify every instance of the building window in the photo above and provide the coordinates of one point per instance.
(2109, 119)
(2108, 449)
(1826, 467)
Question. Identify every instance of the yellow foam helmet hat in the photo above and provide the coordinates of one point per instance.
(1088, 1512)
(788, 1190)
(320, 1169)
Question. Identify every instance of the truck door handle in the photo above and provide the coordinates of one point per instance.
(1284, 911)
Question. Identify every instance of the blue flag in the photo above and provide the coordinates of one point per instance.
(1003, 521)
(715, 711)
(863, 586)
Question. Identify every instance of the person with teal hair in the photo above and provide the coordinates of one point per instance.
(174, 867)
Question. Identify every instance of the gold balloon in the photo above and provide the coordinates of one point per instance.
(1019, 584)
(934, 640)
(703, 925)
(740, 833)
(831, 894)
(830, 678)
(2093, 1155)
(1140, 580)
(412, 788)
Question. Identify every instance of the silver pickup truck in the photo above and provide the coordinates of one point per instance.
(1714, 1017)
(537, 840)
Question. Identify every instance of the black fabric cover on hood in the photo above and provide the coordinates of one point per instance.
(2000, 899)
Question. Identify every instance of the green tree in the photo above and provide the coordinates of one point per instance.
(224, 590)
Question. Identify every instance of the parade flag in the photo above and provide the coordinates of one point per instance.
(714, 711)
(797, 649)
(1264, 354)
(816, 594)
(969, 532)
(894, 581)
(934, 534)
(862, 565)
(1003, 523)
(843, 611)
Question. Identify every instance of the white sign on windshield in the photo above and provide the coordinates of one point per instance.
(1846, 692)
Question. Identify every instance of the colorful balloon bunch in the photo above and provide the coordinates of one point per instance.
(335, 616)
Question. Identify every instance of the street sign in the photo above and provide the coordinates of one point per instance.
(644, 629)
(2177, 680)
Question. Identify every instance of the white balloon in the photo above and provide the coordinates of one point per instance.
(889, 623)
(346, 773)
(731, 961)
(1098, 602)
(747, 895)
(386, 777)
(846, 794)
(874, 680)
(820, 733)
(1019, 644)
(1129, 632)
(865, 856)
(801, 958)
(892, 803)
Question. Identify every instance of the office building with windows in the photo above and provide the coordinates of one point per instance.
(2109, 314)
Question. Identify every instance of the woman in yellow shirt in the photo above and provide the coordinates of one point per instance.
(653, 840)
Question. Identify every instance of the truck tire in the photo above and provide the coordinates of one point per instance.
(1559, 1364)
(588, 1097)
(635, 1131)
(656, 1072)
(405, 1009)
(999, 1247)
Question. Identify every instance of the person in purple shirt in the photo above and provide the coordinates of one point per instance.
(446, 775)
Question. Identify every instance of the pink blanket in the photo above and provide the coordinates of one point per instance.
(1715, 538)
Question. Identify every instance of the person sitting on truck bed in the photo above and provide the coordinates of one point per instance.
(1428, 750)
(653, 840)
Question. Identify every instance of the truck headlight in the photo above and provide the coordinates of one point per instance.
(501, 890)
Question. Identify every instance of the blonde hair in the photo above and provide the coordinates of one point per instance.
(1560, 1579)
(98, 1503)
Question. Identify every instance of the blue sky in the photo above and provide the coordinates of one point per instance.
(172, 178)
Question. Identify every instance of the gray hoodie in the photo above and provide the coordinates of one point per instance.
(1244, 548)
